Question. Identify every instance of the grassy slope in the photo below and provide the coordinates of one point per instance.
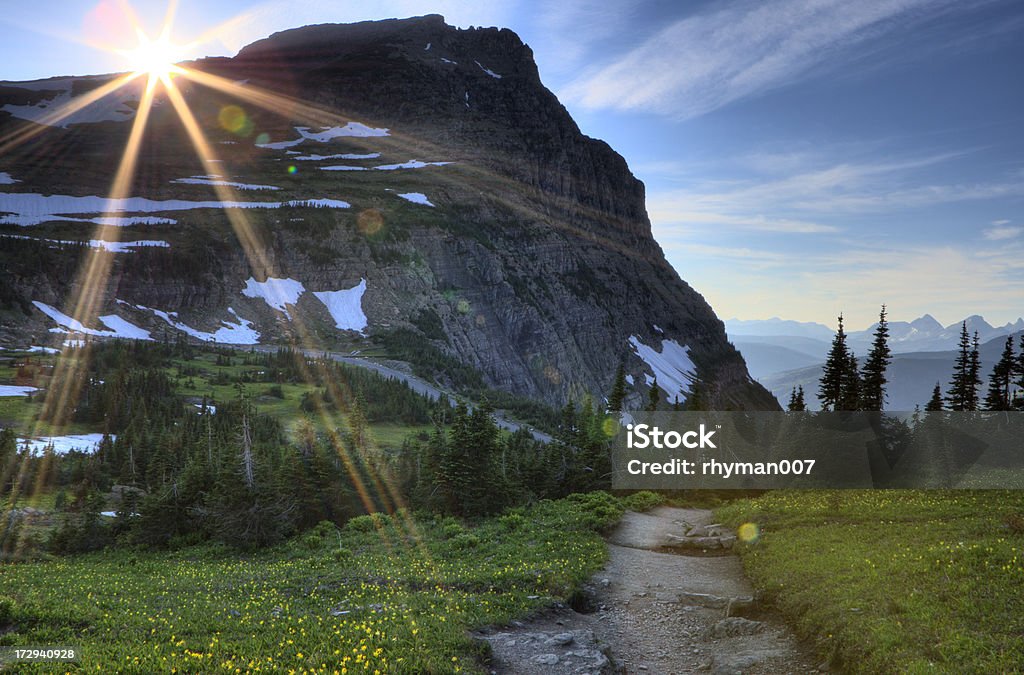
(382, 595)
(894, 581)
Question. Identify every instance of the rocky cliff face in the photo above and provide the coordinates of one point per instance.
(471, 219)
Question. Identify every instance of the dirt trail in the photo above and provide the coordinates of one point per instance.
(665, 603)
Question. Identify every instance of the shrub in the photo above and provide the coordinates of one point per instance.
(643, 501)
(367, 523)
(597, 510)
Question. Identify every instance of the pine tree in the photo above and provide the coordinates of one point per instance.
(835, 380)
(1018, 397)
(961, 391)
(974, 373)
(653, 397)
(796, 400)
(998, 396)
(618, 393)
(851, 386)
(935, 403)
(873, 378)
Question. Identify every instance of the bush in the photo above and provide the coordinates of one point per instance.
(643, 501)
(465, 541)
(367, 523)
(597, 510)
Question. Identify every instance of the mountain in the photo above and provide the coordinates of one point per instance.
(399, 186)
(778, 327)
(912, 376)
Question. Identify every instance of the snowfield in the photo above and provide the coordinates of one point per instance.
(206, 180)
(351, 130)
(346, 155)
(119, 328)
(15, 390)
(411, 164)
(33, 209)
(278, 293)
(64, 444)
(241, 333)
(114, 107)
(346, 307)
(6, 179)
(415, 198)
(672, 366)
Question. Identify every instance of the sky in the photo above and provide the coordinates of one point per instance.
(802, 158)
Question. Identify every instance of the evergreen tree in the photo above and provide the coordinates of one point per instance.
(962, 393)
(851, 386)
(796, 400)
(618, 393)
(974, 372)
(935, 403)
(998, 396)
(834, 387)
(653, 397)
(873, 378)
(1018, 397)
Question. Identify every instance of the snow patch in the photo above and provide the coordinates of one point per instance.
(415, 198)
(207, 180)
(488, 71)
(241, 333)
(346, 155)
(32, 209)
(427, 48)
(118, 221)
(6, 179)
(454, 63)
(411, 164)
(15, 390)
(629, 380)
(278, 293)
(343, 167)
(114, 107)
(352, 129)
(36, 349)
(211, 409)
(346, 306)
(672, 366)
(127, 246)
(119, 328)
(64, 444)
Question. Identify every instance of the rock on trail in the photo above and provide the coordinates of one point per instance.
(672, 599)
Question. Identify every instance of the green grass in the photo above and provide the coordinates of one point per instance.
(894, 581)
(384, 594)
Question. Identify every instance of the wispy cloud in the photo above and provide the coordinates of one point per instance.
(1001, 231)
(802, 195)
(708, 60)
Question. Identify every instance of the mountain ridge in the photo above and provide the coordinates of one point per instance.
(445, 181)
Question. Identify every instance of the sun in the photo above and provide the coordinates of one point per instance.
(156, 58)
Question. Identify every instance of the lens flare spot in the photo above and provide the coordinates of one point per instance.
(481, 320)
(293, 170)
(748, 533)
(462, 307)
(232, 118)
(263, 138)
(370, 221)
(552, 374)
(610, 427)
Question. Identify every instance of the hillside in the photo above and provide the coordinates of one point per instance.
(399, 184)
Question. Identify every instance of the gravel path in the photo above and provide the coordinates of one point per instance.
(653, 611)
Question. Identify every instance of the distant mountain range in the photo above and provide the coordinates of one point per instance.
(783, 354)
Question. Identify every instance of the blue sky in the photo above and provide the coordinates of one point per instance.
(802, 157)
